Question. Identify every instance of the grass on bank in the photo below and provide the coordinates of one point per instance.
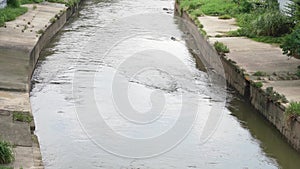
(6, 153)
(14, 8)
(10, 13)
(22, 117)
(259, 20)
(293, 109)
(2, 167)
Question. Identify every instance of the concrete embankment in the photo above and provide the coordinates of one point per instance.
(247, 57)
(21, 42)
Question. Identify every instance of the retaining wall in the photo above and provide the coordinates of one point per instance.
(18, 60)
(272, 111)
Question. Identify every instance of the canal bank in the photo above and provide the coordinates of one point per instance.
(21, 43)
(247, 57)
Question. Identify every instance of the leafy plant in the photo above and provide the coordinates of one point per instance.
(291, 44)
(52, 20)
(293, 109)
(271, 23)
(14, 3)
(41, 31)
(22, 117)
(221, 48)
(6, 152)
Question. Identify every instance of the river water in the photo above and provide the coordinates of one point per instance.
(70, 134)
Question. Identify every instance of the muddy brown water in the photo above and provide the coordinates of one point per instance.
(243, 138)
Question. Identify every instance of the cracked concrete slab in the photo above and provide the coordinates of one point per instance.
(18, 41)
(215, 26)
(14, 101)
(255, 56)
(17, 133)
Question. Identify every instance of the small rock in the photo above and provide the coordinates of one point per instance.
(173, 38)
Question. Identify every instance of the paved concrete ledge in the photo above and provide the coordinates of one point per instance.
(22, 40)
(20, 45)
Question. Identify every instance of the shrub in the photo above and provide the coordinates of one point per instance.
(268, 23)
(272, 23)
(293, 109)
(291, 44)
(6, 153)
(221, 48)
(14, 3)
(245, 6)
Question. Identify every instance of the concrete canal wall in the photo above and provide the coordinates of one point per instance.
(20, 44)
(237, 77)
